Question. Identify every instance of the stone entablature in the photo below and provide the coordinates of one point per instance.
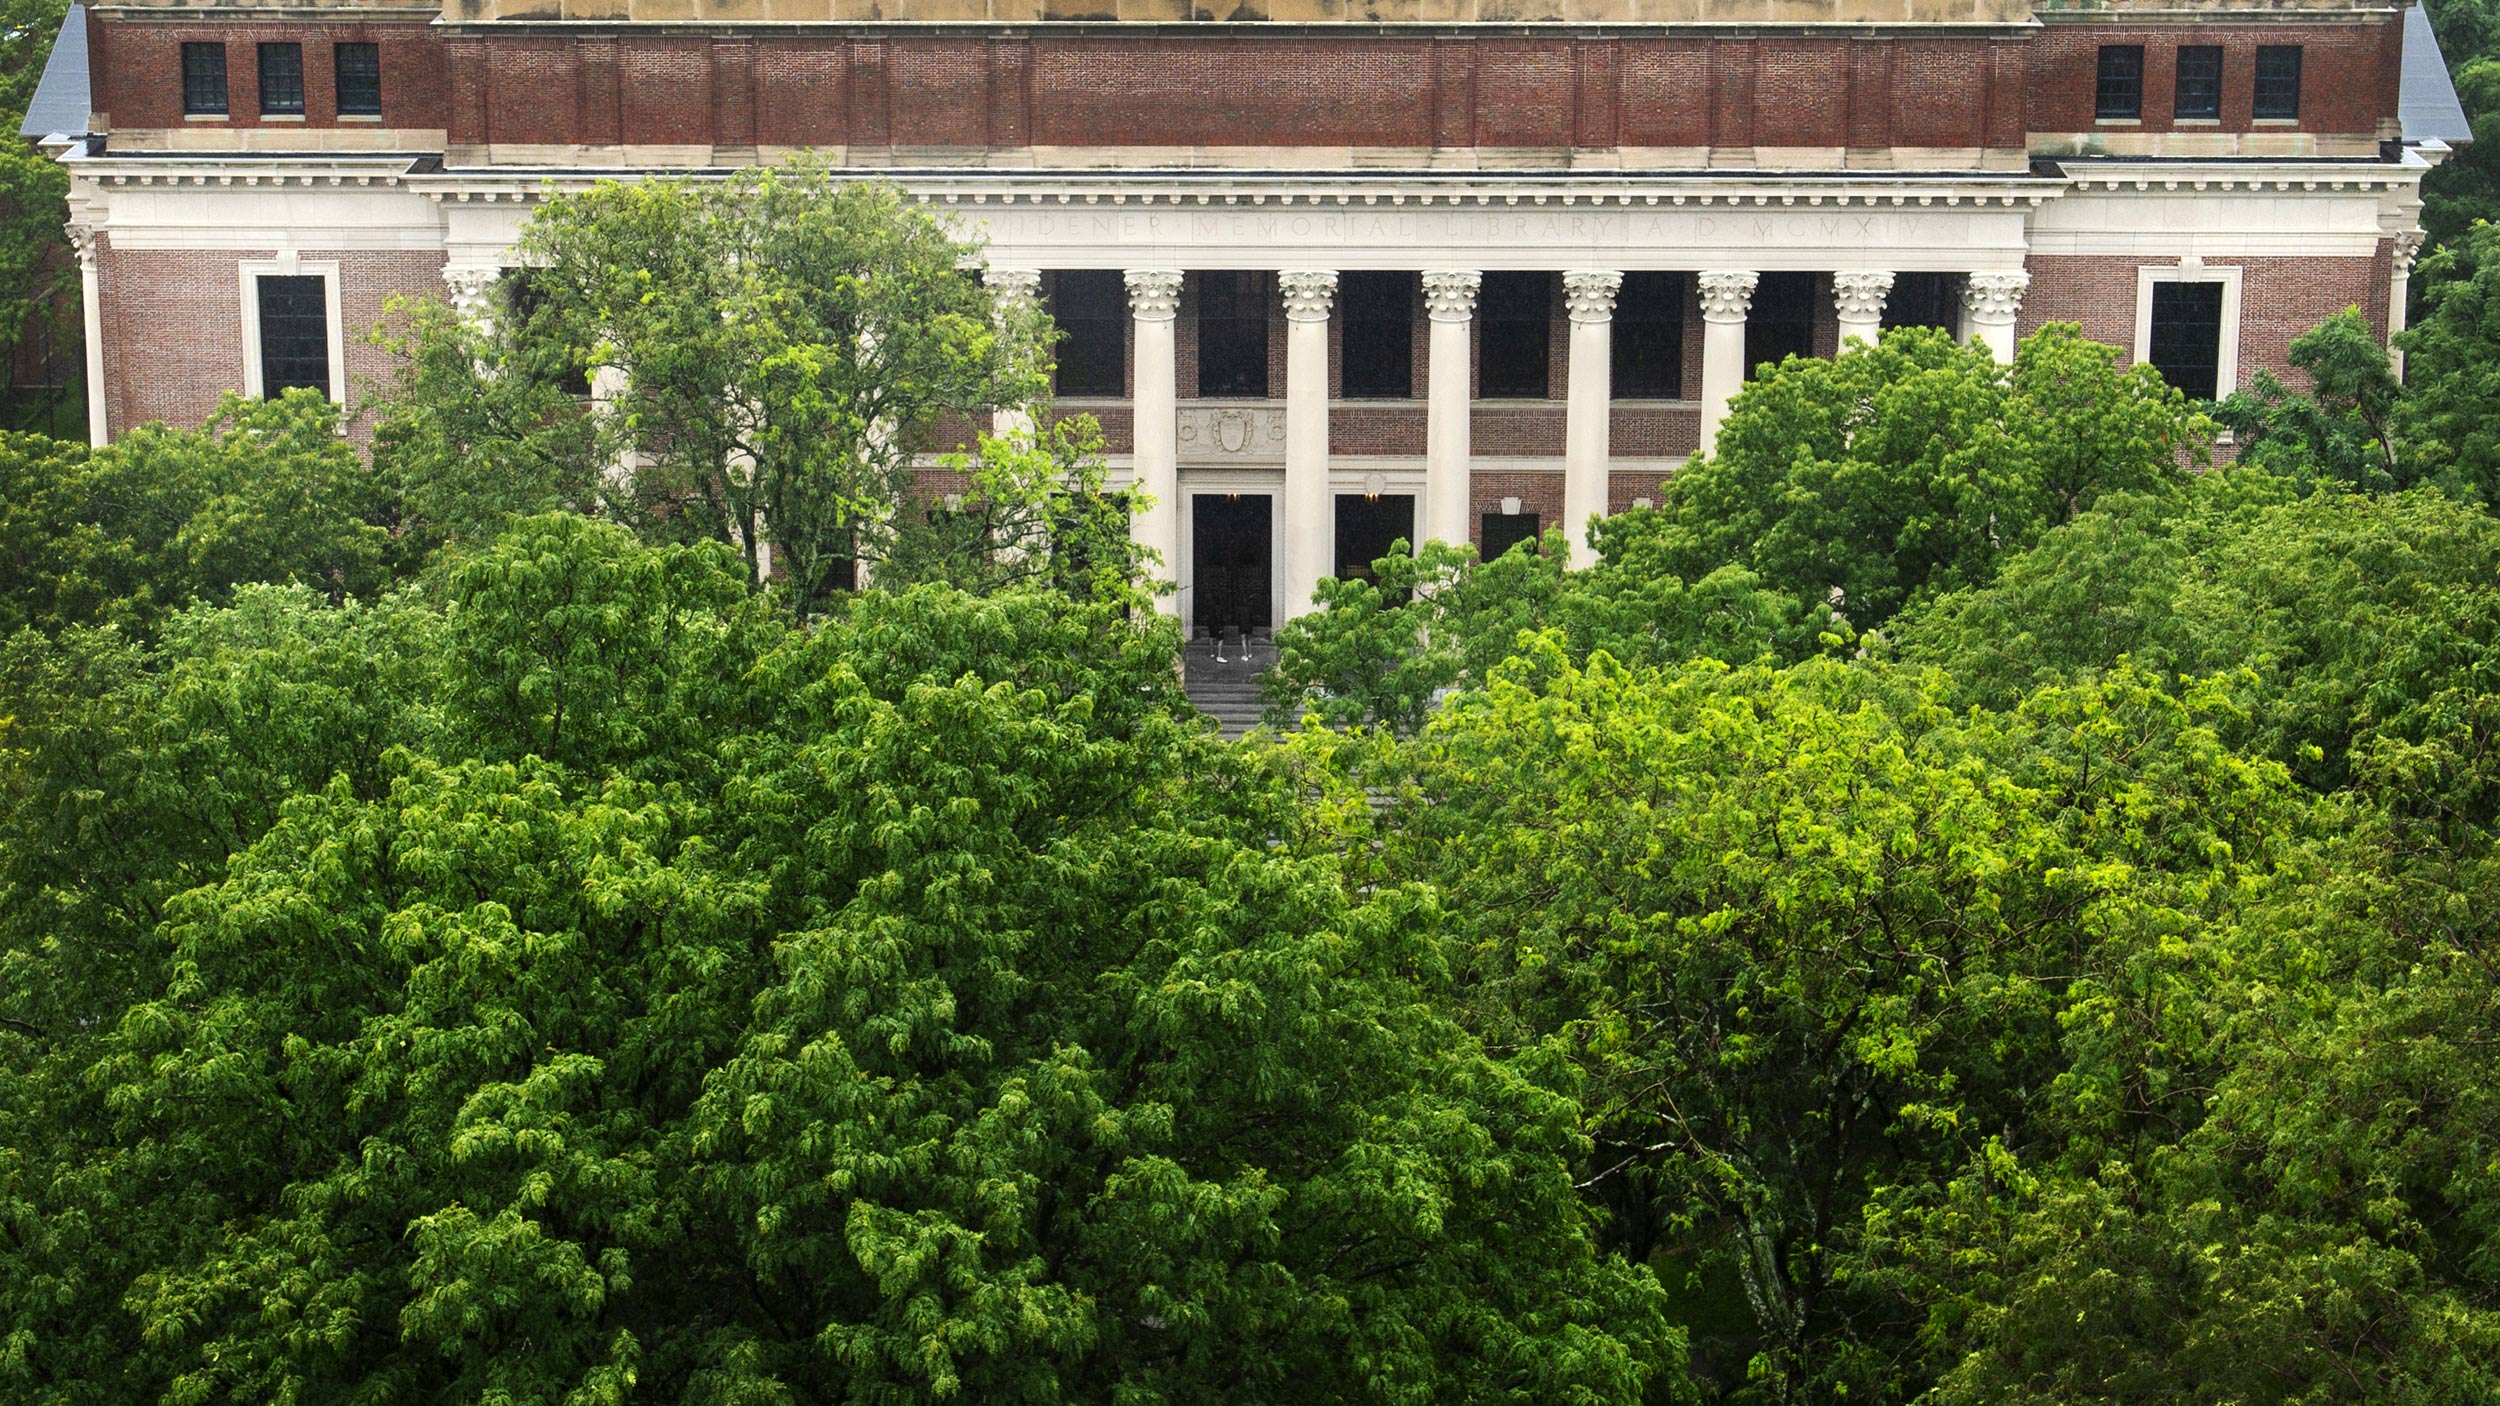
(1748, 13)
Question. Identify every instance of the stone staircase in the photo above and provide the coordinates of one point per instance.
(1226, 688)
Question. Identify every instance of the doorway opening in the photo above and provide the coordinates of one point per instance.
(1231, 553)
(1367, 527)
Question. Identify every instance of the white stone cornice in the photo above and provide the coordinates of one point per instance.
(1154, 295)
(1994, 297)
(1590, 294)
(1450, 294)
(1308, 293)
(1726, 294)
(1859, 294)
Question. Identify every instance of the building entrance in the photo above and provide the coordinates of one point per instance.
(1232, 561)
(1367, 527)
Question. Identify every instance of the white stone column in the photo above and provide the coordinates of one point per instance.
(1726, 294)
(1014, 291)
(1450, 298)
(91, 299)
(1154, 297)
(1858, 295)
(1989, 303)
(1590, 295)
(2399, 288)
(1310, 510)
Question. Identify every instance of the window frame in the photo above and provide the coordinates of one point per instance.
(1485, 323)
(2101, 109)
(225, 80)
(2227, 349)
(1354, 309)
(287, 265)
(2257, 83)
(1630, 312)
(272, 48)
(1251, 296)
(2179, 79)
(1119, 322)
(1535, 524)
(338, 78)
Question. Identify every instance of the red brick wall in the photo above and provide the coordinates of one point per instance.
(2348, 78)
(137, 70)
(2279, 299)
(173, 323)
(1622, 488)
(1539, 491)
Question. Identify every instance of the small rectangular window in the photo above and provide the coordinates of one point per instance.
(1090, 307)
(204, 79)
(2198, 94)
(1780, 323)
(1649, 337)
(2187, 336)
(1514, 332)
(1232, 334)
(359, 71)
(2119, 94)
(294, 333)
(2278, 82)
(1502, 531)
(281, 80)
(1379, 350)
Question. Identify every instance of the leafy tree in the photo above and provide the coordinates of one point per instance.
(1917, 466)
(36, 266)
(2339, 429)
(658, 998)
(2444, 422)
(771, 349)
(1037, 510)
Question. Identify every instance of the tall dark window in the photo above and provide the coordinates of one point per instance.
(1503, 531)
(204, 79)
(1378, 309)
(359, 71)
(294, 333)
(2187, 336)
(525, 292)
(2198, 93)
(1923, 300)
(1232, 334)
(1780, 323)
(1090, 307)
(2278, 81)
(281, 79)
(1515, 321)
(2120, 89)
(1649, 336)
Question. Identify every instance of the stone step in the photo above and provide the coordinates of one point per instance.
(1227, 689)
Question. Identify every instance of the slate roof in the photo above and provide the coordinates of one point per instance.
(2428, 104)
(62, 99)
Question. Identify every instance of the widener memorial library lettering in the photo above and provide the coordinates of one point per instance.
(1328, 275)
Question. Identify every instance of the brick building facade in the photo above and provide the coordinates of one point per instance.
(1531, 245)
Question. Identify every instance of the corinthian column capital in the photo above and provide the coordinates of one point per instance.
(1014, 287)
(471, 286)
(1859, 294)
(1995, 297)
(1590, 294)
(82, 242)
(1308, 293)
(1726, 294)
(1154, 295)
(1450, 294)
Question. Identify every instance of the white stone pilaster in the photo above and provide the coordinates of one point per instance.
(1858, 296)
(1310, 510)
(91, 294)
(1013, 290)
(1450, 299)
(1590, 295)
(1154, 297)
(1990, 302)
(2408, 246)
(1726, 296)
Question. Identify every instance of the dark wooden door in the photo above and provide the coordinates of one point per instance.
(1231, 555)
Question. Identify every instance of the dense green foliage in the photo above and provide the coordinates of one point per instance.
(38, 275)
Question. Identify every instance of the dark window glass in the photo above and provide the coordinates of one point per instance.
(1503, 531)
(2120, 91)
(1232, 334)
(359, 69)
(281, 79)
(1780, 323)
(2187, 336)
(1090, 307)
(1379, 351)
(2198, 93)
(204, 78)
(1515, 313)
(294, 333)
(1923, 300)
(1649, 337)
(2278, 81)
(1367, 530)
(525, 296)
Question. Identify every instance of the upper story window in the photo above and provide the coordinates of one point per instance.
(1378, 357)
(2278, 82)
(1648, 342)
(204, 79)
(282, 80)
(294, 333)
(2119, 92)
(2198, 94)
(359, 71)
(1090, 307)
(2187, 337)
(1232, 334)
(1781, 322)
(1514, 332)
